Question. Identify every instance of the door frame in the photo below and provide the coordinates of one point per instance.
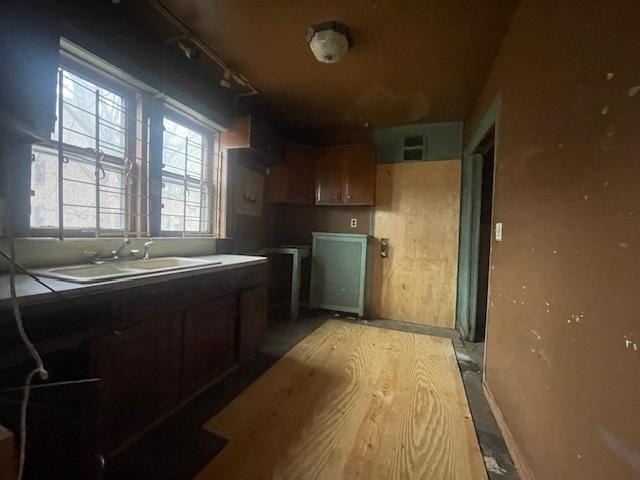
(469, 241)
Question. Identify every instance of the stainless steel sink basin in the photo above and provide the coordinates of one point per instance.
(119, 269)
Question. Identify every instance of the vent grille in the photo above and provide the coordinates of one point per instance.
(414, 148)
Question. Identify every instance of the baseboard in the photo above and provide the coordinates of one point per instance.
(516, 455)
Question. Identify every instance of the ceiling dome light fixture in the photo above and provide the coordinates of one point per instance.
(329, 41)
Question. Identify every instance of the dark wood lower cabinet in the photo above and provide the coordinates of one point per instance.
(168, 345)
(208, 342)
(252, 323)
(152, 349)
(140, 371)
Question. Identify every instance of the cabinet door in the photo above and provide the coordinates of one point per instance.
(273, 145)
(329, 170)
(139, 368)
(276, 184)
(209, 342)
(253, 321)
(300, 165)
(360, 174)
(238, 135)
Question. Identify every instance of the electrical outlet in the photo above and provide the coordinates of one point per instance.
(499, 232)
(354, 223)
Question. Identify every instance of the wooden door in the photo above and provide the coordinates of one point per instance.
(139, 367)
(418, 210)
(329, 182)
(360, 174)
(208, 343)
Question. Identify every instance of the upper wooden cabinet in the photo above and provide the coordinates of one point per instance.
(338, 175)
(346, 175)
(292, 182)
(330, 176)
(255, 134)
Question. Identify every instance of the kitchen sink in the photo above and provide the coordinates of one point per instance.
(166, 262)
(118, 269)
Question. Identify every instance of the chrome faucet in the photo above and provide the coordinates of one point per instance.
(145, 251)
(115, 254)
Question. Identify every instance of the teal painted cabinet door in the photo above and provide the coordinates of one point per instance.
(338, 272)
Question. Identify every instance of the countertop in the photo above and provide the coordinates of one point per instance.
(301, 250)
(31, 292)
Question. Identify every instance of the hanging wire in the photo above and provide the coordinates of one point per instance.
(33, 352)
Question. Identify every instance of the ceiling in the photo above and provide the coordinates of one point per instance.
(412, 61)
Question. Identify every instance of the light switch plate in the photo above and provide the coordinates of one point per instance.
(498, 231)
(354, 223)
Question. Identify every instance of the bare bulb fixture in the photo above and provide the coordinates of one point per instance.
(329, 41)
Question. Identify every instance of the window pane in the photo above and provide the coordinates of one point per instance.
(185, 201)
(193, 208)
(78, 111)
(44, 185)
(172, 205)
(205, 212)
(83, 102)
(79, 98)
(112, 124)
(112, 198)
(79, 192)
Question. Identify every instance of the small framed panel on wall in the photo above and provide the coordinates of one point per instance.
(249, 192)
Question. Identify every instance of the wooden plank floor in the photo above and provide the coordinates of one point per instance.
(352, 402)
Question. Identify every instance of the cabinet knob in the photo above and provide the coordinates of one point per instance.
(349, 197)
(117, 332)
(336, 197)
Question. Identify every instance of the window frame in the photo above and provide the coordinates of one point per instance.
(144, 108)
(108, 82)
(211, 137)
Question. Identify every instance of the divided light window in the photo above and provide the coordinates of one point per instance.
(190, 178)
(79, 178)
(94, 176)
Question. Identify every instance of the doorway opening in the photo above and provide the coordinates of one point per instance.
(485, 232)
(476, 206)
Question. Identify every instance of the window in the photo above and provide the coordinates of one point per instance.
(83, 169)
(190, 178)
(94, 176)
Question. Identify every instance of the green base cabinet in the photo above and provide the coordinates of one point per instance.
(339, 271)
